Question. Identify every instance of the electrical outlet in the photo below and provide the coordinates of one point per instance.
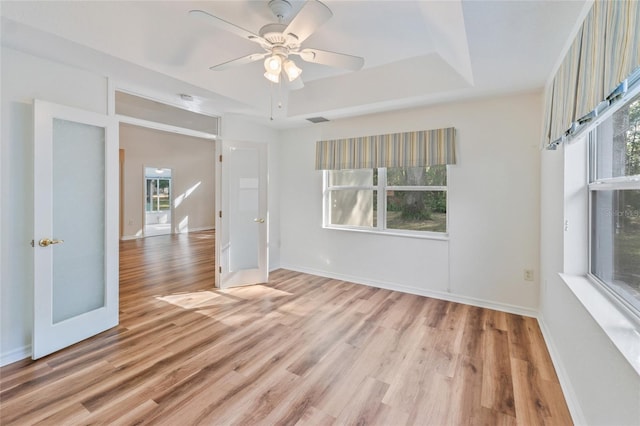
(528, 274)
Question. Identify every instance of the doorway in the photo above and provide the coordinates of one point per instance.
(158, 207)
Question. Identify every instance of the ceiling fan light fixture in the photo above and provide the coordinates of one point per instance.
(291, 69)
(272, 77)
(273, 64)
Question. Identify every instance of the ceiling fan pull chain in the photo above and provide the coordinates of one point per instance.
(271, 100)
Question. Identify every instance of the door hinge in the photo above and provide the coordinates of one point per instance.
(220, 214)
(33, 243)
(220, 158)
(220, 269)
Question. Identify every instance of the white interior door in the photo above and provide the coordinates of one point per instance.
(75, 226)
(243, 227)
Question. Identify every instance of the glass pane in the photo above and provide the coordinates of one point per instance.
(615, 242)
(353, 207)
(359, 177)
(244, 167)
(618, 143)
(78, 218)
(164, 187)
(149, 194)
(417, 176)
(417, 210)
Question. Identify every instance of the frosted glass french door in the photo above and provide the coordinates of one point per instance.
(75, 226)
(243, 234)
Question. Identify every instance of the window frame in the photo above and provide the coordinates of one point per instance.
(380, 192)
(595, 184)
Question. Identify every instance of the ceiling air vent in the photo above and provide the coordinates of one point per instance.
(317, 119)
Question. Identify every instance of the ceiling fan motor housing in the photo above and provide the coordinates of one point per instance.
(280, 8)
(273, 33)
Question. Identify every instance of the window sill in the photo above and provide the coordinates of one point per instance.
(622, 329)
(422, 235)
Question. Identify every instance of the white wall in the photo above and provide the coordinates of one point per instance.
(493, 207)
(24, 78)
(600, 384)
(192, 164)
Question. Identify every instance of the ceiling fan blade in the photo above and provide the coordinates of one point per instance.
(239, 61)
(312, 15)
(228, 26)
(332, 59)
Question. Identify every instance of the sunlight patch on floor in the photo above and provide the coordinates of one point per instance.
(197, 299)
(255, 291)
(218, 304)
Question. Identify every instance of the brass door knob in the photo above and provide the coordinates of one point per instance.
(46, 242)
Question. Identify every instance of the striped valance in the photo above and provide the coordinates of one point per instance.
(605, 52)
(408, 149)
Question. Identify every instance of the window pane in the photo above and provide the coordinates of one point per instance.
(618, 149)
(353, 207)
(164, 202)
(417, 176)
(417, 210)
(615, 242)
(150, 191)
(359, 177)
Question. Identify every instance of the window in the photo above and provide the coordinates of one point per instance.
(404, 200)
(614, 187)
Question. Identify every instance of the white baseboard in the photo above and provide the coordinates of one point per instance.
(14, 355)
(451, 297)
(567, 389)
(202, 228)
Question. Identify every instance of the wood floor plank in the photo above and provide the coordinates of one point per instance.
(300, 349)
(433, 403)
(466, 391)
(497, 383)
(538, 401)
(363, 408)
(314, 417)
(72, 414)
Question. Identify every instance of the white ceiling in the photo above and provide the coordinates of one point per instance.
(416, 52)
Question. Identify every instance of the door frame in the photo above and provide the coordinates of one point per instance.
(115, 86)
(144, 201)
(263, 263)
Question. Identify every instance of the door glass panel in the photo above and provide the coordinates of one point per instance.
(244, 168)
(78, 218)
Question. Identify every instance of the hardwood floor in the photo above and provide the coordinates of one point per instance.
(301, 350)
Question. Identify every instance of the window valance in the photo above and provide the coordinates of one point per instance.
(605, 52)
(409, 149)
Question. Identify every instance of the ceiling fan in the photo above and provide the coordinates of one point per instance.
(280, 41)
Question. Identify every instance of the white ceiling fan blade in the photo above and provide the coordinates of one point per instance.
(332, 59)
(228, 26)
(312, 15)
(239, 61)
